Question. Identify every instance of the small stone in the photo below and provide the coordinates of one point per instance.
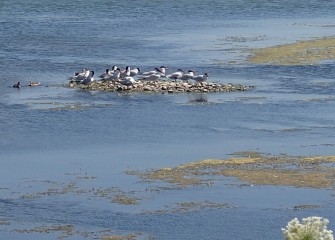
(147, 88)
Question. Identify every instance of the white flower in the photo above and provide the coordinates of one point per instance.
(311, 228)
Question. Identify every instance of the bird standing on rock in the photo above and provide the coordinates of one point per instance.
(134, 72)
(187, 76)
(200, 78)
(176, 75)
(78, 77)
(88, 77)
(152, 77)
(126, 72)
(114, 77)
(128, 81)
(106, 74)
(161, 71)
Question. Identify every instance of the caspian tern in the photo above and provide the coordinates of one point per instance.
(187, 76)
(175, 75)
(115, 76)
(89, 78)
(161, 71)
(152, 77)
(134, 72)
(200, 78)
(128, 81)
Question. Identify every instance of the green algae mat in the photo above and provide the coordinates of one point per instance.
(300, 53)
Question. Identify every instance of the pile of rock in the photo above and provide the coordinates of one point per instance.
(161, 86)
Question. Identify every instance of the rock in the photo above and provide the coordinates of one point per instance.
(162, 86)
(147, 88)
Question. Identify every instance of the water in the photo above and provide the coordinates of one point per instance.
(55, 134)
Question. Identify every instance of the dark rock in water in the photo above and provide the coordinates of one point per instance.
(162, 86)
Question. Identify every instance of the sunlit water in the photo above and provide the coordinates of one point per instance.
(52, 133)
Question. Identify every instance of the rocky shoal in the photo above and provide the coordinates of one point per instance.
(161, 86)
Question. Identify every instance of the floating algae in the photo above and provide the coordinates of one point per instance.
(124, 199)
(127, 237)
(74, 187)
(66, 231)
(299, 171)
(299, 53)
(195, 206)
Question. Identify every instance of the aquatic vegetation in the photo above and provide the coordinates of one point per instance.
(311, 228)
(74, 187)
(251, 167)
(4, 221)
(124, 199)
(186, 207)
(128, 237)
(196, 206)
(66, 230)
(305, 206)
(299, 53)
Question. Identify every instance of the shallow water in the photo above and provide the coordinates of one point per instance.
(54, 137)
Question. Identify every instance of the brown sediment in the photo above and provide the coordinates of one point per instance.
(299, 171)
(299, 53)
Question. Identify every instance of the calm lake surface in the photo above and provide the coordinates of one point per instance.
(53, 137)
